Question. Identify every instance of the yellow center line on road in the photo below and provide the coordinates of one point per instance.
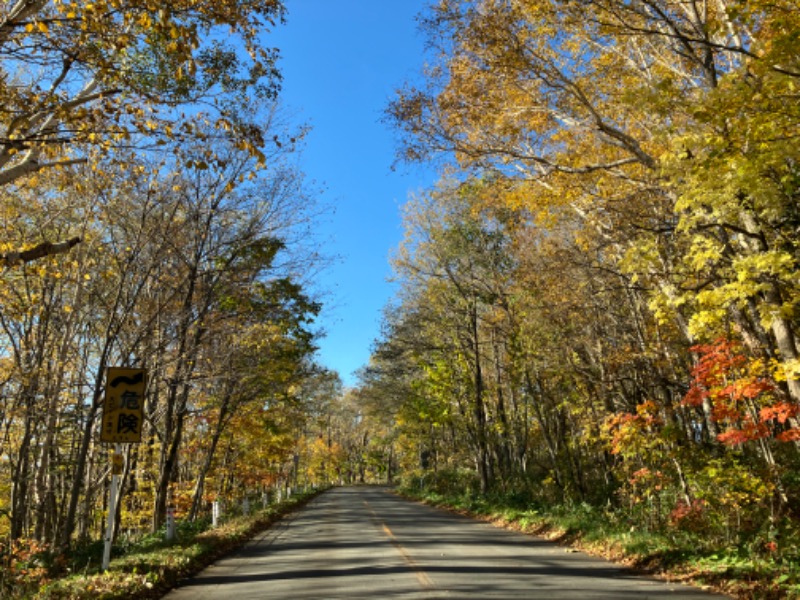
(425, 581)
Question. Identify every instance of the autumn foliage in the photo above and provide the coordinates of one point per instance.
(743, 402)
(599, 300)
(597, 304)
(152, 217)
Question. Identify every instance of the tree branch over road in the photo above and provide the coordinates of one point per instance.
(11, 259)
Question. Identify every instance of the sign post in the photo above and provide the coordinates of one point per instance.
(123, 414)
(116, 470)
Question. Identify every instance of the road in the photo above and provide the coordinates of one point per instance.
(364, 542)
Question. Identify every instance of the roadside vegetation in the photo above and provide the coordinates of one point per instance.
(742, 570)
(153, 218)
(145, 568)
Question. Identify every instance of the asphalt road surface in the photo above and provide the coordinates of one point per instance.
(364, 542)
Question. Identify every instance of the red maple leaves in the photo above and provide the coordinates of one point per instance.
(743, 398)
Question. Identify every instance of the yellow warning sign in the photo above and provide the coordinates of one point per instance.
(123, 406)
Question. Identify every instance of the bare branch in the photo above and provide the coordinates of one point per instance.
(44, 249)
(31, 165)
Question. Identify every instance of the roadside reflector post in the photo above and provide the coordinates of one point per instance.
(170, 535)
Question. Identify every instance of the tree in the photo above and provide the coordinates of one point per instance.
(456, 265)
(80, 75)
(173, 262)
(645, 153)
(602, 106)
(253, 371)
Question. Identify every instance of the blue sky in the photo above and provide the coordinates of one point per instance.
(341, 63)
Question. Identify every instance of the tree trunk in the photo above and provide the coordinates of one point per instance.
(65, 538)
(21, 483)
(169, 466)
(199, 487)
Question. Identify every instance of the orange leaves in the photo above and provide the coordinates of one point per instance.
(622, 428)
(790, 435)
(748, 432)
(688, 516)
(24, 563)
(742, 397)
(780, 411)
(721, 375)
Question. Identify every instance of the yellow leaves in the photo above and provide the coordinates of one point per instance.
(37, 26)
(788, 370)
(200, 165)
(705, 252)
(135, 111)
(223, 124)
(704, 324)
(730, 485)
(145, 20)
(771, 264)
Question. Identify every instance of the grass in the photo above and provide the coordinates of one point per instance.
(148, 567)
(739, 572)
(151, 566)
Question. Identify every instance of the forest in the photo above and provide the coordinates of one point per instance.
(598, 301)
(598, 304)
(153, 217)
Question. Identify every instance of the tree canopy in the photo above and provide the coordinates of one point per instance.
(599, 301)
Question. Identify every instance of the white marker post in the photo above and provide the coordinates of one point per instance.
(116, 470)
(170, 530)
(215, 513)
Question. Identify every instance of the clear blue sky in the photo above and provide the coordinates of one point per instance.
(341, 63)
